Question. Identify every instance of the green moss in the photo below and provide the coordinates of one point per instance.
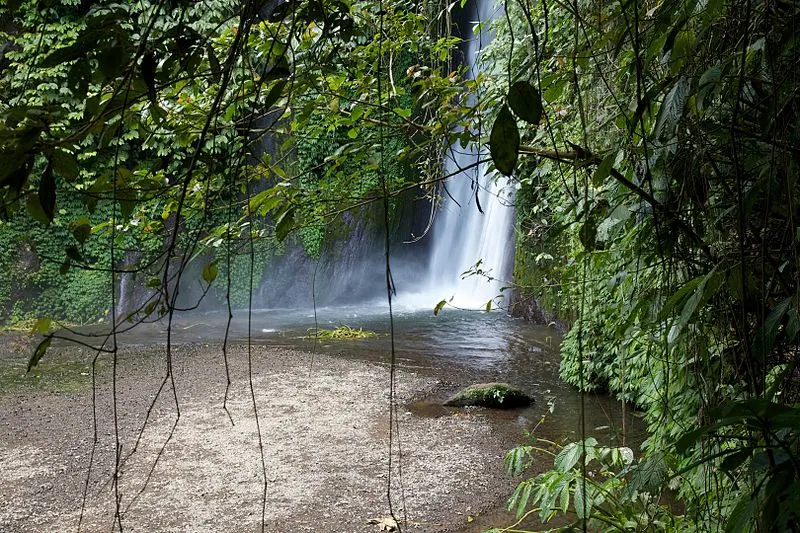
(494, 395)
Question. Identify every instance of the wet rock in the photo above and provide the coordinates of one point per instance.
(493, 395)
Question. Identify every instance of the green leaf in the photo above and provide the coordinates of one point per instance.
(405, 113)
(765, 337)
(582, 507)
(705, 290)
(504, 142)
(524, 496)
(588, 232)
(81, 229)
(210, 272)
(735, 459)
(42, 326)
(648, 476)
(568, 457)
(213, 62)
(41, 349)
(526, 102)
(679, 296)
(274, 94)
(603, 170)
(284, 224)
(439, 307)
(65, 164)
(672, 108)
(63, 55)
(264, 202)
(708, 86)
(514, 463)
(741, 518)
(519, 499)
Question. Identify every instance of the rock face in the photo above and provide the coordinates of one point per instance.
(493, 395)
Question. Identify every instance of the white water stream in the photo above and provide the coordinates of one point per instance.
(472, 249)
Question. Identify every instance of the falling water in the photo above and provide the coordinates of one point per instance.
(472, 236)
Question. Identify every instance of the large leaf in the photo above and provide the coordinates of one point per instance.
(568, 457)
(672, 108)
(765, 337)
(648, 476)
(81, 229)
(504, 142)
(35, 211)
(274, 94)
(583, 498)
(210, 272)
(284, 224)
(65, 164)
(588, 232)
(526, 102)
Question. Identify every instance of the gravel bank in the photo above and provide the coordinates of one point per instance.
(324, 429)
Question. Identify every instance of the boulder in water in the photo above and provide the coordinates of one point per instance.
(493, 395)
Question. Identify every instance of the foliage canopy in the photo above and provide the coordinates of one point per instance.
(655, 147)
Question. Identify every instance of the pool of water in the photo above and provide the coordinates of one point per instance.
(457, 346)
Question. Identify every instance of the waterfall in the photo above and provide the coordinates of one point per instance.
(473, 228)
(463, 234)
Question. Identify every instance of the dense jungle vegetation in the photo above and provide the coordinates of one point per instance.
(654, 145)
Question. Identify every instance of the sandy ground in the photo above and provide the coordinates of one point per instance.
(323, 422)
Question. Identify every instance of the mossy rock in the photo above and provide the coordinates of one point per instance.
(493, 395)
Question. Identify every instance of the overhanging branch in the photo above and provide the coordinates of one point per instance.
(583, 157)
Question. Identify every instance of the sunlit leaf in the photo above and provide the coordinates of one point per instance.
(403, 112)
(210, 272)
(42, 326)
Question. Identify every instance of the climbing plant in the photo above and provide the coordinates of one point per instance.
(666, 186)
